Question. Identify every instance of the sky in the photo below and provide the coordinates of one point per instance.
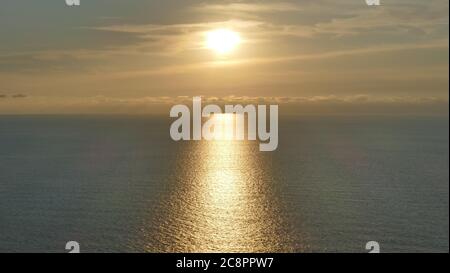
(143, 56)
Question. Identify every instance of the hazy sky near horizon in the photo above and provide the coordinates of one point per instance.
(117, 56)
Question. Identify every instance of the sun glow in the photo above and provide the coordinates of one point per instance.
(222, 41)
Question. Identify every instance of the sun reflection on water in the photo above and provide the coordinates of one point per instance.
(221, 200)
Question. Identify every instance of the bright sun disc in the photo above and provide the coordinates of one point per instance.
(222, 40)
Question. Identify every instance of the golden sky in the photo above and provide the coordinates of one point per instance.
(141, 56)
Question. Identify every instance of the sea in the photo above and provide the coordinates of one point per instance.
(119, 183)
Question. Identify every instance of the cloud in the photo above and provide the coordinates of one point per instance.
(289, 48)
(240, 8)
(319, 27)
(412, 19)
(13, 96)
(19, 96)
(185, 68)
(331, 104)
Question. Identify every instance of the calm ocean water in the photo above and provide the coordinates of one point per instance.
(119, 183)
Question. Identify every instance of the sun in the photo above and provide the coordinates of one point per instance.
(222, 41)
